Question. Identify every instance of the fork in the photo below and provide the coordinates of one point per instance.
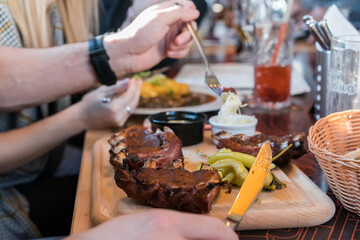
(210, 78)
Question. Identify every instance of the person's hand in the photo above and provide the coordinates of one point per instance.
(158, 32)
(123, 96)
(160, 224)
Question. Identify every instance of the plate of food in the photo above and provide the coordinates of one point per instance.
(161, 93)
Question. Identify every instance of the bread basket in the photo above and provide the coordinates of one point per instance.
(329, 139)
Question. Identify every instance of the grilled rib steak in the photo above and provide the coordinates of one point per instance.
(164, 184)
(251, 145)
(160, 147)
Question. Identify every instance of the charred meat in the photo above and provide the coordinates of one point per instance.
(149, 168)
(160, 147)
(251, 145)
(173, 188)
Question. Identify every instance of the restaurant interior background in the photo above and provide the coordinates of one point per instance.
(224, 44)
(227, 37)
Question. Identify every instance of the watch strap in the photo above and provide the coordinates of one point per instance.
(100, 61)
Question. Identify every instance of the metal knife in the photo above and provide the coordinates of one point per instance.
(325, 28)
(322, 33)
(314, 30)
(251, 187)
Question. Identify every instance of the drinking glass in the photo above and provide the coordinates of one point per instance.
(272, 67)
(246, 14)
(343, 90)
(244, 25)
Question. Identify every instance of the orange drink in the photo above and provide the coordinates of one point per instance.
(272, 74)
(272, 85)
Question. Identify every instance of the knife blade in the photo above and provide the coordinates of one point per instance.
(251, 187)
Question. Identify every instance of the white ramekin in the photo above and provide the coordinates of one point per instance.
(247, 128)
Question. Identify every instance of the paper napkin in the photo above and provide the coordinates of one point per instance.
(337, 23)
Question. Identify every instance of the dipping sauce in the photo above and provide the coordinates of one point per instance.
(187, 126)
(179, 121)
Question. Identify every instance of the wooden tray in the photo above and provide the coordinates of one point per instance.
(300, 204)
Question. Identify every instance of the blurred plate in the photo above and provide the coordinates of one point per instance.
(205, 107)
(239, 76)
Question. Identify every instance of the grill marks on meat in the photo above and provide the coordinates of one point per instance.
(160, 147)
(149, 167)
(251, 145)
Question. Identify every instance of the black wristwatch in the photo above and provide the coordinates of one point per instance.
(100, 61)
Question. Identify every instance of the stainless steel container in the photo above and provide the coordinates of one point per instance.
(321, 80)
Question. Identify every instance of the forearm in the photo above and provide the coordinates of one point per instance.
(26, 144)
(29, 77)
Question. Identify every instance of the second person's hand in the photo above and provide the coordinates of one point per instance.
(110, 106)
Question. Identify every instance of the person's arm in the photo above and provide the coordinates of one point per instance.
(32, 76)
(29, 77)
(26, 144)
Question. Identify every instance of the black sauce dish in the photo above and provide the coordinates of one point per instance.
(187, 126)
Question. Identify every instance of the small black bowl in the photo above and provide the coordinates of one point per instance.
(188, 126)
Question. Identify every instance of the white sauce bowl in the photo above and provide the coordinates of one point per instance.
(243, 128)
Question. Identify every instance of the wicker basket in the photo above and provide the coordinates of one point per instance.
(329, 139)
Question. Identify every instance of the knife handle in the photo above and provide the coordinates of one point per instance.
(325, 28)
(318, 37)
(233, 221)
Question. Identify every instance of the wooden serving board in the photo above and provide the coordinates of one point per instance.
(300, 204)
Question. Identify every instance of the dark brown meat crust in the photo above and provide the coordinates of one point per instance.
(251, 145)
(171, 188)
(160, 147)
(166, 184)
